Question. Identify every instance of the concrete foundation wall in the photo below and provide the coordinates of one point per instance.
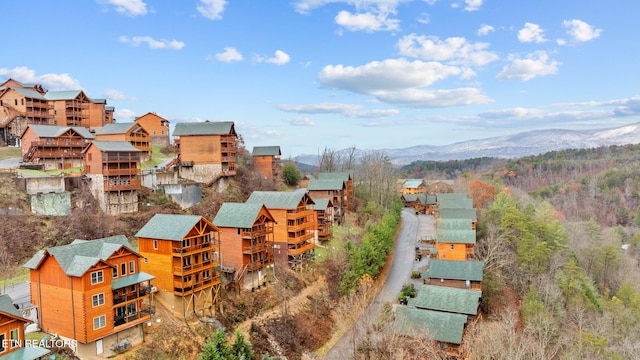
(44, 184)
(135, 335)
(51, 204)
(154, 178)
(202, 173)
(185, 195)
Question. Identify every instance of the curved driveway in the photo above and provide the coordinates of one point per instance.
(403, 263)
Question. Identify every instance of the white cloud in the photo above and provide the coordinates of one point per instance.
(372, 114)
(485, 30)
(531, 33)
(322, 108)
(534, 65)
(387, 75)
(124, 114)
(473, 5)
(280, 58)
(427, 98)
(580, 31)
(211, 9)
(229, 54)
(129, 7)
(369, 15)
(424, 18)
(456, 50)
(300, 121)
(48, 81)
(152, 43)
(114, 94)
(366, 21)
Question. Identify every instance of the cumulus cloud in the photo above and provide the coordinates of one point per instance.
(372, 114)
(580, 31)
(456, 50)
(299, 121)
(472, 5)
(369, 15)
(369, 21)
(114, 94)
(438, 98)
(211, 9)
(124, 114)
(322, 108)
(229, 54)
(280, 58)
(531, 33)
(152, 43)
(485, 30)
(533, 65)
(424, 18)
(48, 81)
(128, 7)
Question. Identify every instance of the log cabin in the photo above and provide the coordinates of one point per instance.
(12, 340)
(112, 174)
(348, 187)
(183, 253)
(332, 189)
(458, 213)
(248, 239)
(266, 161)
(157, 127)
(92, 291)
(414, 186)
(206, 152)
(20, 105)
(452, 273)
(324, 219)
(131, 132)
(294, 224)
(75, 108)
(55, 147)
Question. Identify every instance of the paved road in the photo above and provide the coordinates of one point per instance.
(10, 163)
(19, 293)
(402, 264)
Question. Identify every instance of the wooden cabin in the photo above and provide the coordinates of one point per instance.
(157, 127)
(349, 195)
(416, 201)
(294, 227)
(454, 200)
(113, 176)
(266, 161)
(206, 151)
(414, 186)
(324, 219)
(183, 253)
(452, 273)
(458, 213)
(447, 299)
(248, 237)
(92, 291)
(332, 189)
(55, 147)
(455, 244)
(13, 344)
(75, 108)
(131, 132)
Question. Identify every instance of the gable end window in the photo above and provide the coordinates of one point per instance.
(97, 277)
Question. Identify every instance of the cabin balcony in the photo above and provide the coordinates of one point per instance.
(254, 233)
(128, 319)
(293, 240)
(188, 250)
(259, 264)
(61, 143)
(299, 214)
(122, 185)
(302, 226)
(121, 172)
(188, 269)
(256, 248)
(294, 250)
(141, 291)
(181, 288)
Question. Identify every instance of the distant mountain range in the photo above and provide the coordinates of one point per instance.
(509, 146)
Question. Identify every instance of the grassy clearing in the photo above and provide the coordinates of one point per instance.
(9, 152)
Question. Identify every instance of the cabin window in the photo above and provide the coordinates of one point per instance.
(132, 288)
(2, 342)
(89, 156)
(132, 267)
(123, 269)
(452, 246)
(97, 277)
(146, 260)
(97, 299)
(21, 101)
(162, 132)
(15, 102)
(205, 256)
(155, 244)
(99, 322)
(186, 243)
(154, 132)
(238, 231)
(115, 272)
(13, 337)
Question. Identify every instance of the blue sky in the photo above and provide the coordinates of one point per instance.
(310, 74)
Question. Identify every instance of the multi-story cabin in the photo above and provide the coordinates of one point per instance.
(266, 161)
(92, 291)
(206, 151)
(332, 189)
(455, 244)
(75, 108)
(324, 219)
(12, 340)
(157, 127)
(452, 273)
(294, 226)
(248, 238)
(111, 168)
(183, 253)
(414, 186)
(454, 200)
(55, 147)
(348, 186)
(131, 132)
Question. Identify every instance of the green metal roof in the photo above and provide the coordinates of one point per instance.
(6, 306)
(266, 151)
(321, 204)
(117, 128)
(458, 213)
(326, 184)
(344, 176)
(237, 215)
(279, 199)
(412, 183)
(453, 224)
(29, 93)
(436, 325)
(52, 131)
(79, 256)
(447, 182)
(456, 236)
(442, 298)
(63, 95)
(422, 198)
(129, 280)
(204, 128)
(168, 226)
(26, 353)
(114, 146)
(455, 203)
(455, 270)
